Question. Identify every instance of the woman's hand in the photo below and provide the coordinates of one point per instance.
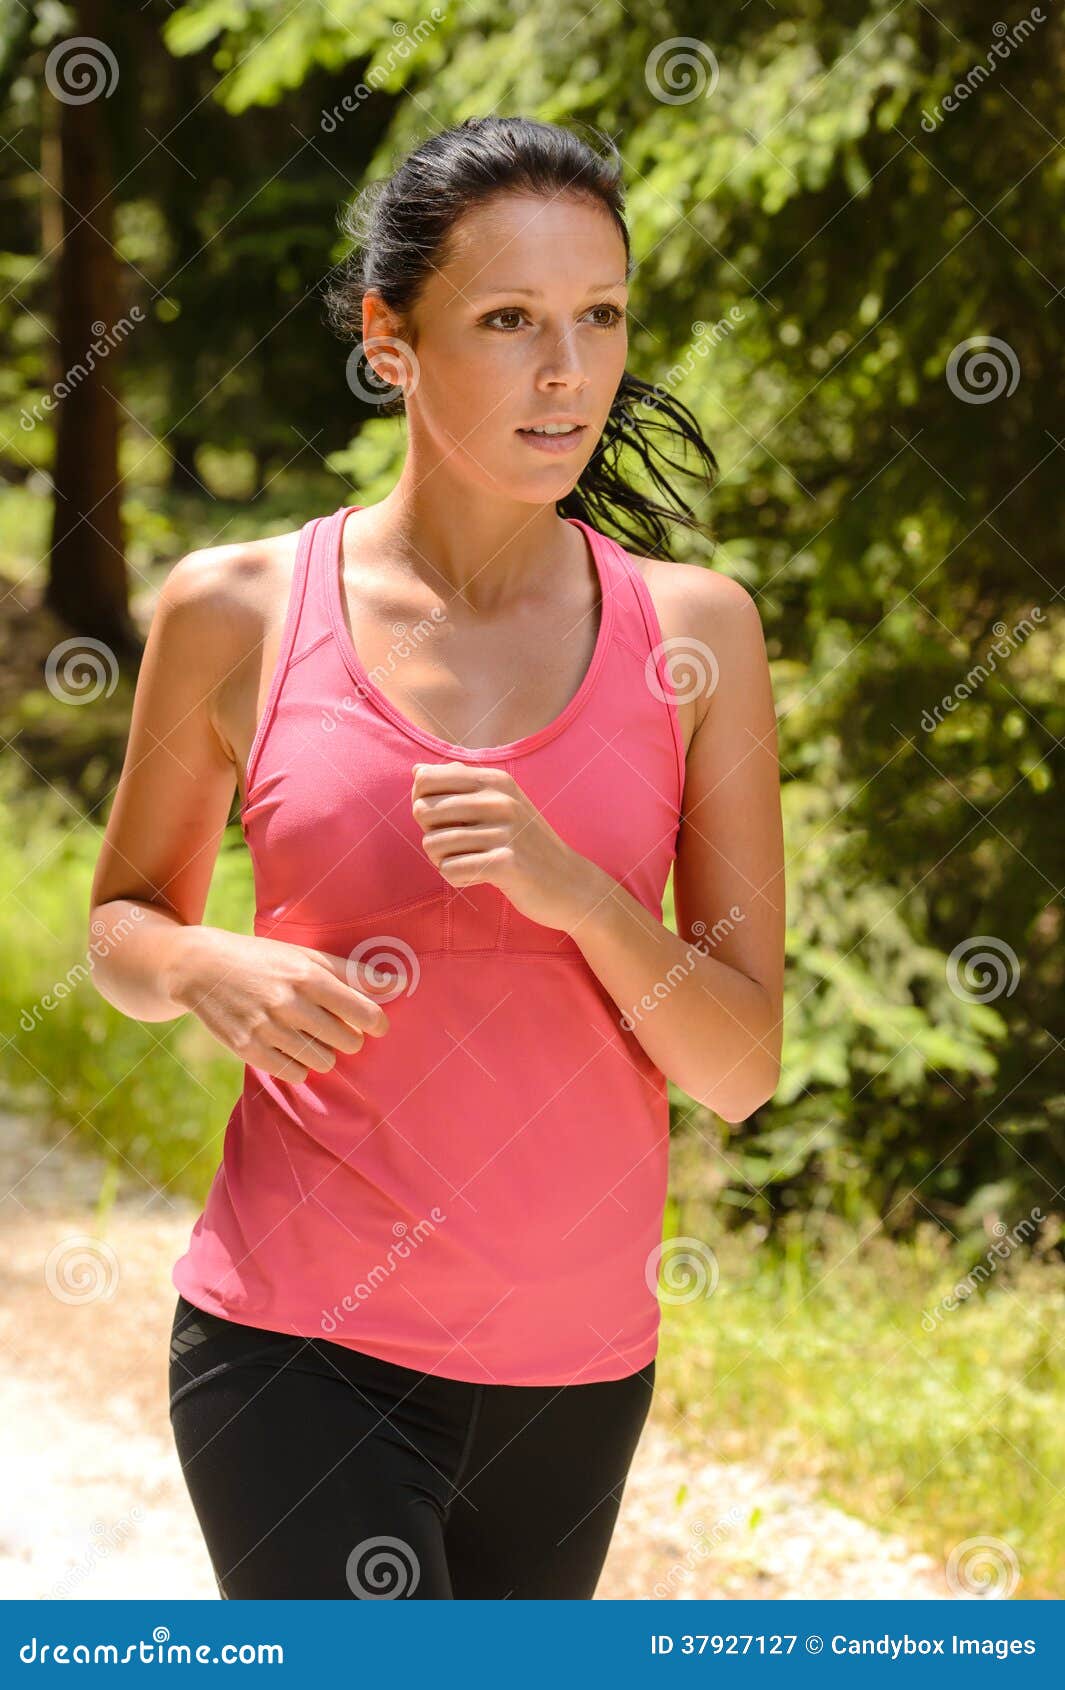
(282, 1008)
(480, 829)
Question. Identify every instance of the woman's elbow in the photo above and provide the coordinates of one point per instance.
(737, 1098)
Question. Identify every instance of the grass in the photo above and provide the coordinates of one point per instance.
(816, 1361)
(151, 1098)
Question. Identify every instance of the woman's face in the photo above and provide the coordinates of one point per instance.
(524, 322)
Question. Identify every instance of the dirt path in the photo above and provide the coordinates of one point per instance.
(94, 1501)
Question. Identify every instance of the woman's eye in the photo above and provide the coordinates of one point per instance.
(615, 316)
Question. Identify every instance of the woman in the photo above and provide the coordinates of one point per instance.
(414, 1345)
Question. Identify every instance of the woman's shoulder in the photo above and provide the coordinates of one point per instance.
(228, 596)
(237, 576)
(696, 602)
(710, 624)
(694, 589)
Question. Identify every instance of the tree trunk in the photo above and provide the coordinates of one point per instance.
(183, 473)
(87, 583)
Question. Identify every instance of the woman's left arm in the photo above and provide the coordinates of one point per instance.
(706, 1002)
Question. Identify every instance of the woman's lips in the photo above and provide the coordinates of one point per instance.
(553, 443)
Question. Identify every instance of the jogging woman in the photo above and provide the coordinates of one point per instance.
(414, 1344)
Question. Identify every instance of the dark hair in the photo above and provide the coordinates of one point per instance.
(400, 227)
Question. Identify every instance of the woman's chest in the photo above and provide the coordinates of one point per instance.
(330, 824)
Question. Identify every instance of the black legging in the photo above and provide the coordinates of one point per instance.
(319, 1471)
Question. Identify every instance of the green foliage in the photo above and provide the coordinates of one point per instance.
(265, 50)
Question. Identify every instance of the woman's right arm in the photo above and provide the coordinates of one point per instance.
(281, 1007)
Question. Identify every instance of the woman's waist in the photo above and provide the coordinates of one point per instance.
(394, 1221)
(462, 1119)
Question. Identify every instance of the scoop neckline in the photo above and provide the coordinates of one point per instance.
(512, 748)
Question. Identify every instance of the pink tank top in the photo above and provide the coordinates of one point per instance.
(478, 1193)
